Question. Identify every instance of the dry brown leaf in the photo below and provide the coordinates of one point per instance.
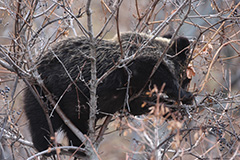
(143, 104)
(190, 71)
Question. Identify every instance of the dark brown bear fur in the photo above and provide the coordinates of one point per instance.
(74, 53)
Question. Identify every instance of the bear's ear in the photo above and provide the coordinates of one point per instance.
(181, 48)
(169, 36)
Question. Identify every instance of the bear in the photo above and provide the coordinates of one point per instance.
(71, 58)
